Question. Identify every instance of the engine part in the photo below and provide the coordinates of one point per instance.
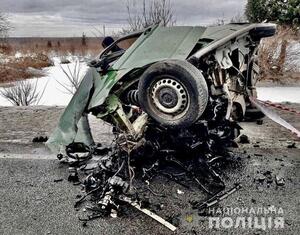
(132, 97)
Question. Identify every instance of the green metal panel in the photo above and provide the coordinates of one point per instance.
(219, 32)
(103, 86)
(73, 124)
(159, 44)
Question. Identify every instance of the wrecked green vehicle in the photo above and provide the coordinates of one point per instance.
(174, 99)
(181, 87)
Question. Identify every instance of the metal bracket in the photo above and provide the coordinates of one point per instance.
(115, 110)
(222, 56)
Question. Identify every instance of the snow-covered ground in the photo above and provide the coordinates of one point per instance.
(293, 56)
(56, 94)
(279, 94)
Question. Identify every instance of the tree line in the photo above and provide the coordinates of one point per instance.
(285, 12)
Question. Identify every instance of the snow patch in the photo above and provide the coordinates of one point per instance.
(54, 93)
(279, 94)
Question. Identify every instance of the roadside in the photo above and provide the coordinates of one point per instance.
(284, 82)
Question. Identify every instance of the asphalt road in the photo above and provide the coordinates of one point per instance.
(31, 202)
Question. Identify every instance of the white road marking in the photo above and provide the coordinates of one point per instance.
(27, 156)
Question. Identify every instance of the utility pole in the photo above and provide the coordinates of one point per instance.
(104, 30)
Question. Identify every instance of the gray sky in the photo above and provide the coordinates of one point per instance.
(58, 18)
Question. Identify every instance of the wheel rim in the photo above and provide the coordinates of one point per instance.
(170, 97)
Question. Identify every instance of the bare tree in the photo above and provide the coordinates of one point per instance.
(99, 32)
(4, 25)
(238, 18)
(148, 13)
(218, 22)
(23, 93)
(73, 77)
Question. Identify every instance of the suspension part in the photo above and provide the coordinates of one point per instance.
(132, 97)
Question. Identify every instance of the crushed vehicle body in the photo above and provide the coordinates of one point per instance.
(219, 62)
(173, 91)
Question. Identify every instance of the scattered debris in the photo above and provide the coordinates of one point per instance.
(258, 154)
(292, 145)
(269, 177)
(218, 197)
(84, 224)
(58, 180)
(259, 121)
(149, 213)
(40, 139)
(73, 175)
(261, 178)
(244, 139)
(278, 159)
(280, 181)
(113, 214)
(179, 192)
(253, 200)
(107, 174)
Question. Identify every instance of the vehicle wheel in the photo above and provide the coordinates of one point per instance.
(173, 92)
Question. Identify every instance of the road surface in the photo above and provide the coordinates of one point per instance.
(33, 202)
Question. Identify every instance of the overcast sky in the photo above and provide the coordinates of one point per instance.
(67, 18)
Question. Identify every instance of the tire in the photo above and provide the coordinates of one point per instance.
(252, 113)
(173, 92)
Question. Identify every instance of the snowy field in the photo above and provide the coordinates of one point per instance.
(56, 94)
(53, 81)
(279, 94)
